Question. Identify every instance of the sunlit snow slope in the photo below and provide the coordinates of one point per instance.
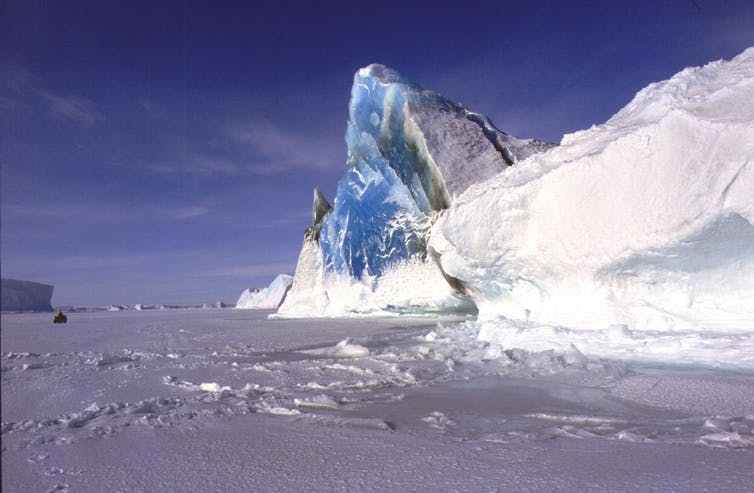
(645, 220)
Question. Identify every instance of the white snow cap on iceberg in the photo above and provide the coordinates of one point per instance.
(268, 298)
(646, 220)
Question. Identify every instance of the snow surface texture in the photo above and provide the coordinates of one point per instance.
(224, 400)
(410, 152)
(268, 298)
(646, 220)
(25, 296)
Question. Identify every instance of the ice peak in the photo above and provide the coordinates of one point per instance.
(384, 74)
(320, 207)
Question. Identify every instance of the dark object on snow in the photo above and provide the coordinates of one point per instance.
(60, 318)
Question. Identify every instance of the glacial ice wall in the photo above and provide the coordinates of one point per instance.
(645, 221)
(26, 296)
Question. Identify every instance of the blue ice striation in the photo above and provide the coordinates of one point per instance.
(409, 152)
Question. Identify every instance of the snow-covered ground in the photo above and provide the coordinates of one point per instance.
(227, 400)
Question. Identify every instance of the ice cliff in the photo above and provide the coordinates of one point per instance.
(410, 153)
(644, 221)
(268, 298)
(26, 296)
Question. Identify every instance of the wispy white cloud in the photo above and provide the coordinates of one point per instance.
(254, 270)
(255, 148)
(17, 79)
(23, 89)
(152, 109)
(199, 164)
(10, 104)
(293, 217)
(96, 262)
(185, 212)
(96, 213)
(75, 109)
(271, 149)
(17, 87)
(205, 164)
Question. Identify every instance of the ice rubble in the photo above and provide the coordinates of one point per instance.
(410, 153)
(268, 298)
(644, 221)
(26, 296)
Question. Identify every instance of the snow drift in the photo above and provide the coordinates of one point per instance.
(26, 296)
(268, 298)
(644, 221)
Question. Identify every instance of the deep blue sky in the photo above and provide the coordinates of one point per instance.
(167, 153)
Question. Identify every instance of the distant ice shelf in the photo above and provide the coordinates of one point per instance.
(20, 295)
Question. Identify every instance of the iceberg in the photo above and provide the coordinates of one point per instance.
(645, 221)
(141, 307)
(268, 298)
(20, 295)
(411, 152)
